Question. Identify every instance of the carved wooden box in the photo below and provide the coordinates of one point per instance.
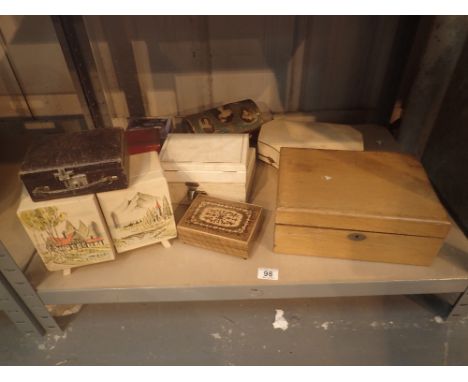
(78, 163)
(374, 206)
(220, 225)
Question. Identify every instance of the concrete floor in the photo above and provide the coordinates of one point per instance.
(394, 330)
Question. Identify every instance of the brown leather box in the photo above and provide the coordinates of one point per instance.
(78, 163)
(374, 206)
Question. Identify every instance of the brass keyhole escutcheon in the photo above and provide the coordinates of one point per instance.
(356, 236)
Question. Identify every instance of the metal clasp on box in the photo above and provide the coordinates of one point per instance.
(192, 190)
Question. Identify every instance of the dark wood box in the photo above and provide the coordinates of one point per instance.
(142, 140)
(162, 125)
(78, 163)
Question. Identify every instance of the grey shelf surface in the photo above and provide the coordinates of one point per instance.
(185, 273)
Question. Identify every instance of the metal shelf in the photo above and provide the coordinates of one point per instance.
(186, 273)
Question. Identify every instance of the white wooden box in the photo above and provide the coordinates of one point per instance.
(220, 165)
(68, 232)
(215, 158)
(234, 191)
(141, 214)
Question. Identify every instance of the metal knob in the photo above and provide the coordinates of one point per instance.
(192, 190)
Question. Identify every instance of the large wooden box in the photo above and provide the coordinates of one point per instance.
(78, 163)
(375, 206)
(141, 214)
(67, 233)
(220, 225)
(220, 165)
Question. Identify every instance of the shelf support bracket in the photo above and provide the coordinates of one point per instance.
(20, 301)
(460, 308)
(16, 311)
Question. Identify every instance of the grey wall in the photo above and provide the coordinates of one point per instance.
(34, 78)
(446, 155)
(337, 66)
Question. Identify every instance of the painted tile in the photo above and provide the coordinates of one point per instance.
(67, 233)
(141, 214)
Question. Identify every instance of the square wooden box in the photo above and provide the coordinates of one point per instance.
(141, 214)
(68, 232)
(375, 206)
(220, 225)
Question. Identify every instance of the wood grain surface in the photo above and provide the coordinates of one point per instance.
(372, 191)
(381, 247)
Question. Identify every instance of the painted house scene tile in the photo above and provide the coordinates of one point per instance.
(67, 233)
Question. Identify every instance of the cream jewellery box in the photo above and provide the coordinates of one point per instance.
(305, 134)
(141, 214)
(220, 165)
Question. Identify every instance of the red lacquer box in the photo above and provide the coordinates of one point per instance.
(141, 140)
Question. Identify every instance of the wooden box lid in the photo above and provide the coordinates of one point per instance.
(220, 222)
(370, 191)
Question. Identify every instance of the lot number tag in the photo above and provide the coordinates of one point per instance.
(267, 274)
